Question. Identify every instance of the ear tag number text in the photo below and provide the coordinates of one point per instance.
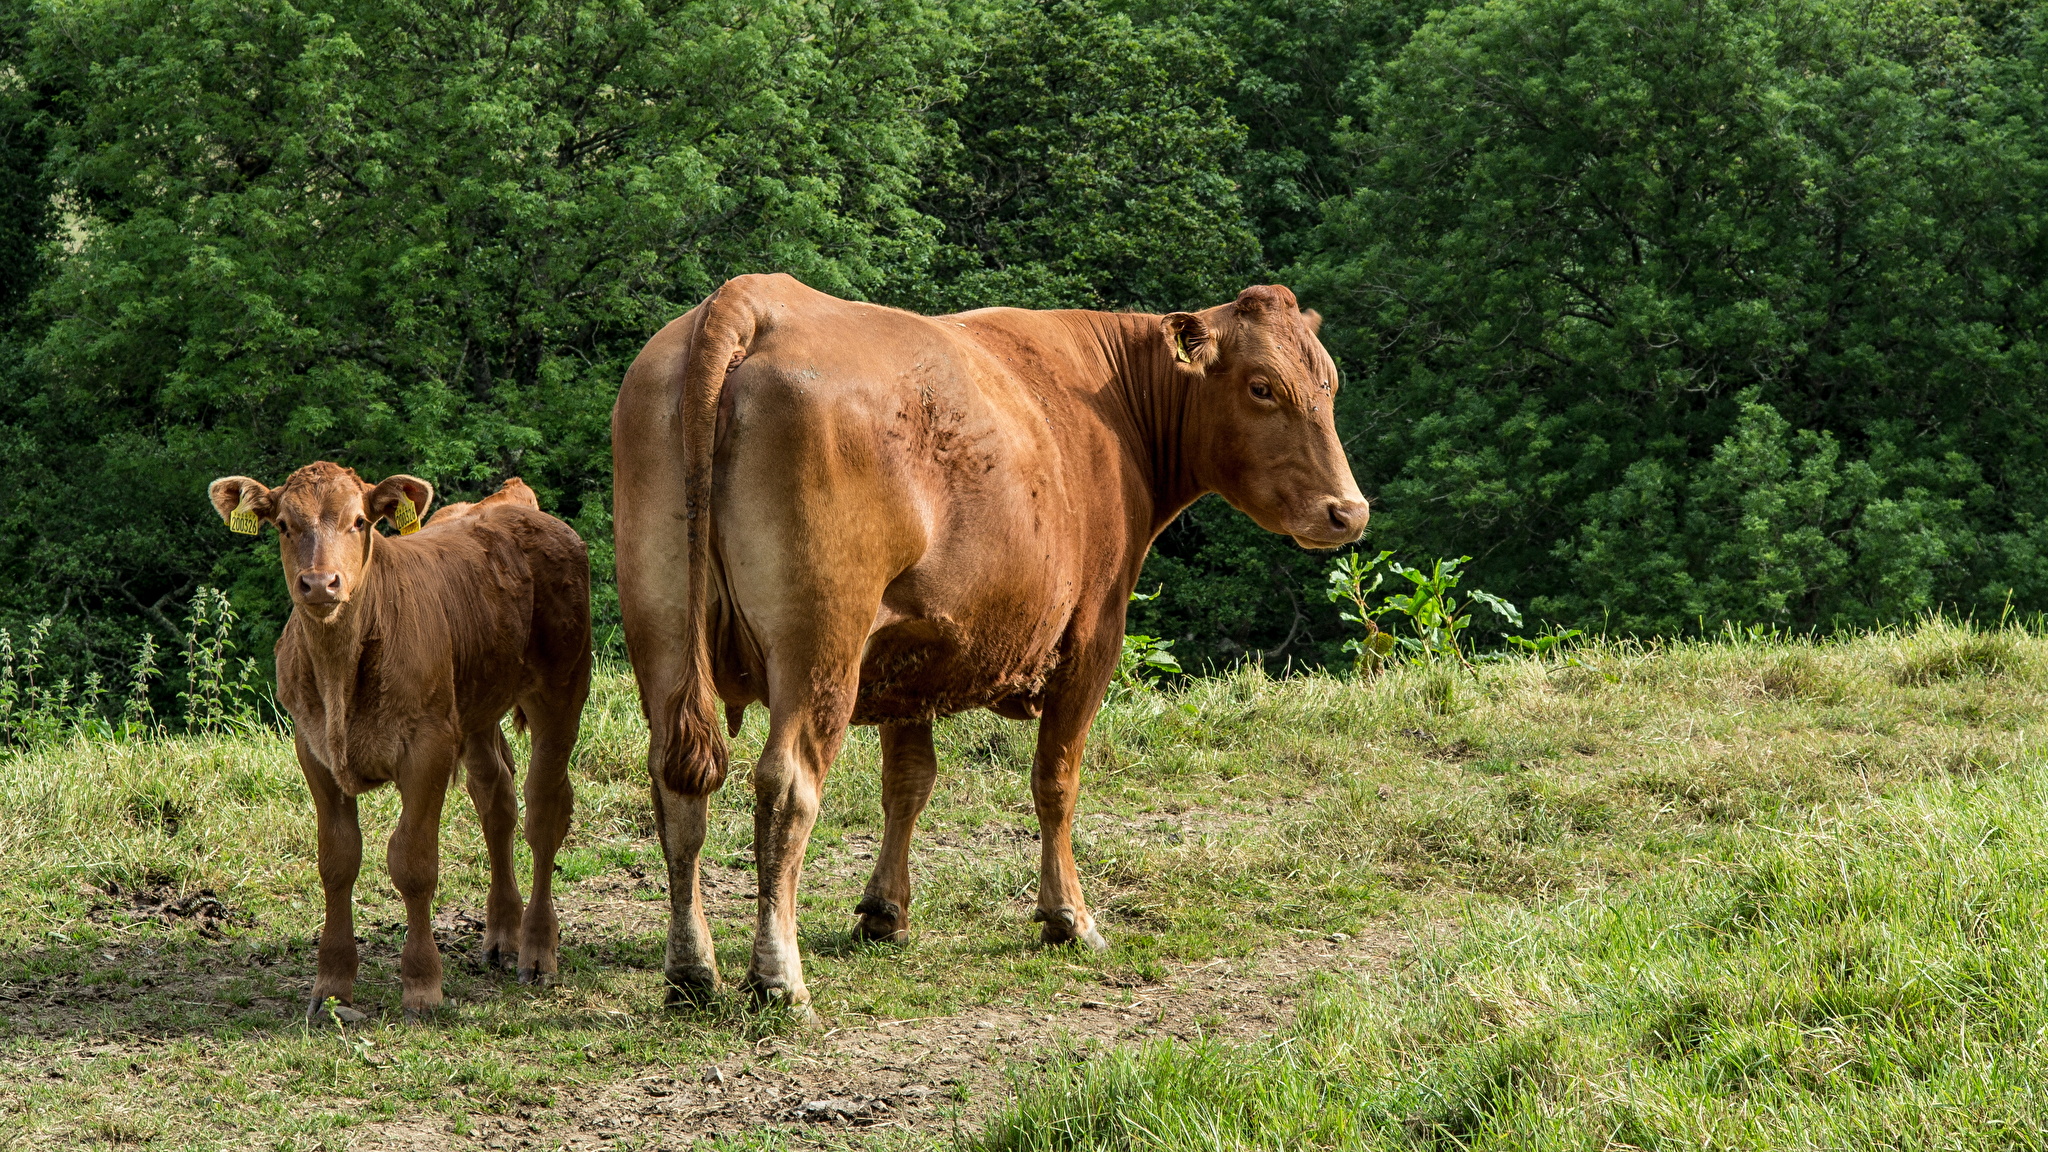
(242, 519)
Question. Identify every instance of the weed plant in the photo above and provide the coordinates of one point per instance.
(219, 693)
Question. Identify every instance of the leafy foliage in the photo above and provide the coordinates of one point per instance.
(1671, 315)
(1680, 313)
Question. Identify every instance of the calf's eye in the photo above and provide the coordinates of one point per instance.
(1260, 390)
(361, 523)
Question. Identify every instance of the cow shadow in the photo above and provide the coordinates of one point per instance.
(228, 981)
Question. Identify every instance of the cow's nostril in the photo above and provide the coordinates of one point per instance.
(320, 585)
(1346, 515)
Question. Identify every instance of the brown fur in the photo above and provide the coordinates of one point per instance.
(513, 491)
(858, 515)
(401, 657)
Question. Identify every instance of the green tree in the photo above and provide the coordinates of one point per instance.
(1089, 165)
(421, 237)
(1674, 312)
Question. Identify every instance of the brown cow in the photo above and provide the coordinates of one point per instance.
(401, 657)
(860, 515)
(513, 491)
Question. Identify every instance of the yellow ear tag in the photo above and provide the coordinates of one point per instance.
(406, 516)
(242, 519)
(1180, 348)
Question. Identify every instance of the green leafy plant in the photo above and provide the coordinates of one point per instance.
(1436, 613)
(219, 692)
(1369, 653)
(1145, 659)
(138, 718)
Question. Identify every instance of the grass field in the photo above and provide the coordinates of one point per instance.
(1755, 892)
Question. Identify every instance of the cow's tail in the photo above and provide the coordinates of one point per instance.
(694, 761)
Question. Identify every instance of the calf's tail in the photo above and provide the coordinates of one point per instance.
(694, 761)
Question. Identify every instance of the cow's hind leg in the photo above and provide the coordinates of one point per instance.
(909, 769)
(553, 722)
(414, 857)
(812, 681)
(491, 789)
(691, 965)
(341, 860)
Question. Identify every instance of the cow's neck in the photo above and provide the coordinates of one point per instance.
(334, 648)
(1150, 400)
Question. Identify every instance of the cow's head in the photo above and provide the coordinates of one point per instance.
(1262, 428)
(326, 525)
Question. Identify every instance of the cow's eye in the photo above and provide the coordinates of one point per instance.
(361, 523)
(1260, 389)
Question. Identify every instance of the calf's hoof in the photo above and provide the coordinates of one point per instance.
(328, 1012)
(691, 987)
(500, 959)
(1063, 927)
(881, 921)
(536, 978)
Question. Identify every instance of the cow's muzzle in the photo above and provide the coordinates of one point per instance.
(320, 588)
(1341, 522)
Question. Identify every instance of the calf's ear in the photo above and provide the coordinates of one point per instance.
(239, 494)
(1313, 319)
(381, 502)
(1189, 341)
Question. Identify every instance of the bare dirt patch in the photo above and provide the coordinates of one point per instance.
(821, 1085)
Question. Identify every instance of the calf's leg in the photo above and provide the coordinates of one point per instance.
(490, 783)
(909, 770)
(549, 801)
(414, 856)
(340, 839)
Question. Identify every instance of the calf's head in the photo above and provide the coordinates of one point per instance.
(326, 519)
(1262, 426)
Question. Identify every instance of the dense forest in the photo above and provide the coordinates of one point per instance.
(1671, 313)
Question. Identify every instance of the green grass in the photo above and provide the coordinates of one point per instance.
(1875, 981)
(1746, 890)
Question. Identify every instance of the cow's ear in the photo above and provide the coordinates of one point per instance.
(381, 502)
(1190, 341)
(1313, 319)
(242, 502)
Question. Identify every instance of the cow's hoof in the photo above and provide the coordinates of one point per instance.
(777, 998)
(691, 988)
(1063, 927)
(422, 1014)
(497, 959)
(332, 1013)
(536, 978)
(881, 921)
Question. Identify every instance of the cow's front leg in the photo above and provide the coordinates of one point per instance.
(414, 856)
(1055, 785)
(909, 769)
(340, 840)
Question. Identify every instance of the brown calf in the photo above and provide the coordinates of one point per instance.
(401, 657)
